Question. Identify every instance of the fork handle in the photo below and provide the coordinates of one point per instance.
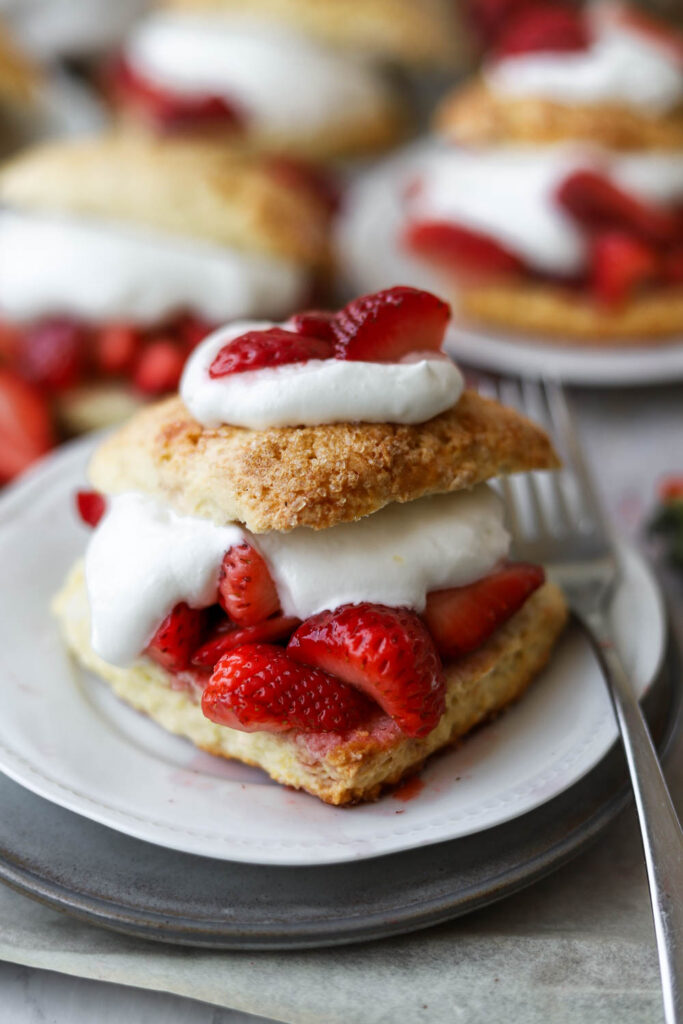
(659, 825)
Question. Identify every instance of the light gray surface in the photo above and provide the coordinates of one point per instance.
(576, 947)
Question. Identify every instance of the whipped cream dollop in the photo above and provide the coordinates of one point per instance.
(621, 65)
(59, 264)
(284, 82)
(316, 392)
(143, 559)
(509, 194)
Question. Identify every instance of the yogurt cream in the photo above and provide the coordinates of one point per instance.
(316, 392)
(622, 65)
(143, 559)
(58, 264)
(285, 83)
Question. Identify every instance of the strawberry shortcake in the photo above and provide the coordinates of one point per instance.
(298, 563)
(117, 256)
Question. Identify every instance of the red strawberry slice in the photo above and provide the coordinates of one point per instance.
(458, 248)
(116, 346)
(272, 347)
(91, 506)
(280, 627)
(543, 27)
(621, 265)
(315, 323)
(390, 324)
(53, 354)
(159, 367)
(386, 652)
(245, 588)
(596, 202)
(178, 637)
(26, 430)
(461, 619)
(257, 687)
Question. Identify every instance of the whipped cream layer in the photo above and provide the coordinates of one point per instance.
(319, 391)
(509, 194)
(143, 559)
(93, 270)
(622, 65)
(284, 83)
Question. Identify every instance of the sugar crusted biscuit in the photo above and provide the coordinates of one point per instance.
(338, 770)
(284, 477)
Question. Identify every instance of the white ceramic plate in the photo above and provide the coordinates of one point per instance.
(371, 257)
(64, 735)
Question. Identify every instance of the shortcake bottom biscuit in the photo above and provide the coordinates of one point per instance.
(355, 767)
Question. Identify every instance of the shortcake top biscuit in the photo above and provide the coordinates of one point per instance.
(193, 189)
(281, 478)
(473, 114)
(424, 32)
(18, 78)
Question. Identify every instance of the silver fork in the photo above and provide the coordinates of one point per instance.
(556, 520)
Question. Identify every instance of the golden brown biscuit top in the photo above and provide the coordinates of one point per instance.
(284, 477)
(18, 77)
(195, 189)
(411, 31)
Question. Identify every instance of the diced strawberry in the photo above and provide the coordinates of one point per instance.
(461, 619)
(596, 202)
(620, 266)
(91, 506)
(116, 346)
(178, 637)
(386, 652)
(314, 323)
(26, 430)
(272, 347)
(280, 627)
(159, 367)
(467, 252)
(672, 266)
(245, 588)
(257, 687)
(387, 325)
(671, 489)
(53, 354)
(192, 329)
(543, 27)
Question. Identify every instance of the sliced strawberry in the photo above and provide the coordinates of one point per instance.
(386, 652)
(621, 265)
(314, 323)
(257, 687)
(387, 325)
(280, 627)
(116, 346)
(53, 354)
(272, 347)
(596, 202)
(461, 619)
(458, 248)
(159, 367)
(543, 27)
(178, 637)
(245, 588)
(26, 430)
(91, 506)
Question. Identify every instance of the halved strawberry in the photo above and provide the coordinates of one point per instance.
(458, 248)
(245, 588)
(461, 619)
(178, 637)
(620, 266)
(91, 506)
(116, 346)
(386, 652)
(543, 27)
(272, 347)
(26, 430)
(315, 323)
(596, 202)
(53, 354)
(279, 627)
(258, 687)
(387, 325)
(159, 367)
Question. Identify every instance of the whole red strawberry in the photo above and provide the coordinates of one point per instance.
(178, 637)
(245, 587)
(387, 325)
(273, 347)
(258, 687)
(386, 652)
